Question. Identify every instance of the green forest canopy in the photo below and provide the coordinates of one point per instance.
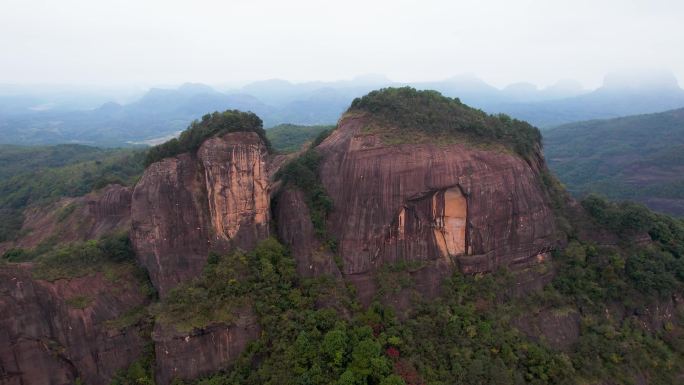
(36, 175)
(213, 124)
(408, 109)
(291, 137)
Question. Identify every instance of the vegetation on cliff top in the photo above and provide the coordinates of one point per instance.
(429, 112)
(38, 175)
(291, 137)
(217, 123)
(303, 173)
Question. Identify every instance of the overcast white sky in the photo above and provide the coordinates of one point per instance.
(143, 42)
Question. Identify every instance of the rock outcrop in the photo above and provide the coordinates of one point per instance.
(76, 219)
(57, 332)
(216, 199)
(295, 229)
(481, 208)
(185, 206)
(485, 208)
(188, 356)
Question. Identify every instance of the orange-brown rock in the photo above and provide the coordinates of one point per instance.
(485, 208)
(236, 180)
(477, 208)
(57, 332)
(185, 206)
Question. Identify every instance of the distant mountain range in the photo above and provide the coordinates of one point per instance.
(32, 117)
(637, 157)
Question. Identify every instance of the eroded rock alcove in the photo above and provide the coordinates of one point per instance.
(450, 210)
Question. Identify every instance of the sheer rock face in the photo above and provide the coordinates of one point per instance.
(236, 181)
(296, 230)
(185, 206)
(423, 202)
(46, 339)
(76, 219)
(169, 230)
(189, 356)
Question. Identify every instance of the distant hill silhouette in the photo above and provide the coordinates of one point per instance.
(159, 113)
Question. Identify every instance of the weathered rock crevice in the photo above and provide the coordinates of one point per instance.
(45, 340)
(186, 206)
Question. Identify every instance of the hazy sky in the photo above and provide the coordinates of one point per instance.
(116, 42)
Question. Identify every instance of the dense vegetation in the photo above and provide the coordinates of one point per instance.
(55, 261)
(638, 158)
(301, 343)
(468, 335)
(291, 137)
(428, 112)
(37, 175)
(217, 123)
(16, 160)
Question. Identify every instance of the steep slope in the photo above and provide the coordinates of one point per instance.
(214, 199)
(449, 191)
(409, 201)
(210, 197)
(73, 315)
(91, 216)
(638, 158)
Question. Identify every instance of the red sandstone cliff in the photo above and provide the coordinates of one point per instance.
(204, 351)
(216, 199)
(185, 206)
(46, 339)
(450, 204)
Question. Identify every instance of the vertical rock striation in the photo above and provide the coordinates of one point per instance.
(170, 226)
(485, 208)
(46, 339)
(236, 181)
(185, 206)
(477, 208)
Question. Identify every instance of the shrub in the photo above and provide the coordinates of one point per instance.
(408, 109)
(303, 173)
(78, 259)
(217, 123)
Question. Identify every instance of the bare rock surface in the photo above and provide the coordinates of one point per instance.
(295, 229)
(203, 351)
(56, 332)
(185, 206)
(480, 208)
